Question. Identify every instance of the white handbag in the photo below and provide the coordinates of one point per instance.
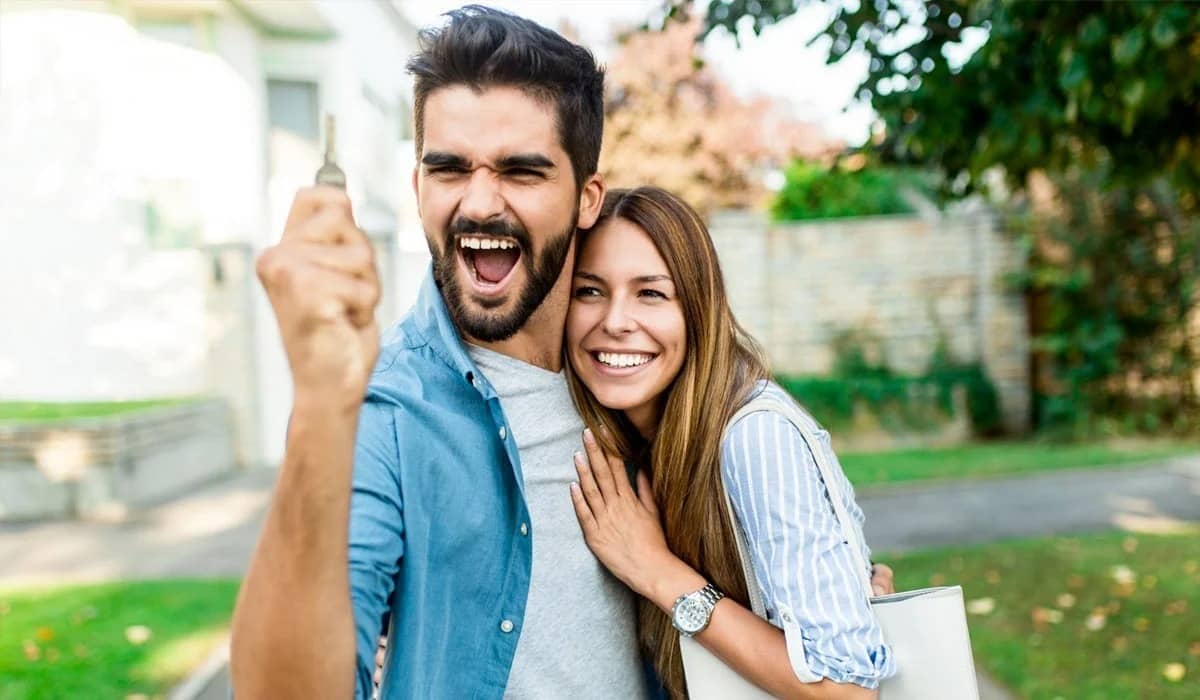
(926, 629)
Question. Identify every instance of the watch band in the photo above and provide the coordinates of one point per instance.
(711, 593)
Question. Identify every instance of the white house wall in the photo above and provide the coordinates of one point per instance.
(94, 115)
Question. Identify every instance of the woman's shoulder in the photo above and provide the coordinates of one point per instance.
(769, 406)
(766, 422)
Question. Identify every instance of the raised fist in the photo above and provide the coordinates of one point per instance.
(323, 286)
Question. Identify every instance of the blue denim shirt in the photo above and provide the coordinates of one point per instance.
(436, 536)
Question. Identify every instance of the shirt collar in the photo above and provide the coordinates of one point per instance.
(433, 322)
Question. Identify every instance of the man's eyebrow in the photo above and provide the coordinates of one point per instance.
(536, 161)
(441, 159)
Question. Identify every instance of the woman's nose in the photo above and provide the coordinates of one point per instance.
(618, 320)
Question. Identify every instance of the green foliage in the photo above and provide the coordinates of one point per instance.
(900, 402)
(1056, 84)
(983, 403)
(1104, 98)
(1112, 281)
(814, 191)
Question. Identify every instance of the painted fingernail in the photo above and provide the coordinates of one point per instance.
(579, 460)
(588, 437)
(575, 486)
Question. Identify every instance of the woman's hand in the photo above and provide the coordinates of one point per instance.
(882, 579)
(621, 527)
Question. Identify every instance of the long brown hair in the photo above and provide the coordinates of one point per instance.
(721, 367)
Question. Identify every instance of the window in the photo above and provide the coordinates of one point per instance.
(293, 107)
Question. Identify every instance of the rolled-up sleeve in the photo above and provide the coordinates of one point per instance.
(376, 533)
(804, 566)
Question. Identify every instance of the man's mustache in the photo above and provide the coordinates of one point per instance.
(492, 227)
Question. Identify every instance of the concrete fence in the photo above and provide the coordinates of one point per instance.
(911, 282)
(100, 467)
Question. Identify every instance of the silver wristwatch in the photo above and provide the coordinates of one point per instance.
(692, 611)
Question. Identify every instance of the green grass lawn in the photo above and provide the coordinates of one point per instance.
(1001, 458)
(32, 411)
(1099, 617)
(83, 641)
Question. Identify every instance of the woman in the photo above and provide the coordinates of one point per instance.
(658, 366)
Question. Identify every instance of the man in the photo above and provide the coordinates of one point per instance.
(442, 501)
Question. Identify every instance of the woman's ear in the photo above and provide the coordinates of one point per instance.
(591, 198)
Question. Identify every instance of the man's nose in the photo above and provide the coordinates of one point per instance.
(481, 200)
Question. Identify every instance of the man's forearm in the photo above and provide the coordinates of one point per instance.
(293, 629)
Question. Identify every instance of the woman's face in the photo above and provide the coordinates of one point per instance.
(626, 335)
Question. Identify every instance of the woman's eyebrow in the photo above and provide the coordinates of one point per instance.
(642, 279)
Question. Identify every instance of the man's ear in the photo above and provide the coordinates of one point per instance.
(416, 185)
(591, 198)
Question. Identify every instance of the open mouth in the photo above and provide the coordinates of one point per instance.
(630, 361)
(490, 260)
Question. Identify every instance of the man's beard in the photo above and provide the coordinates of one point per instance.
(542, 273)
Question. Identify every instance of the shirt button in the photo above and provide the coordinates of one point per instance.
(524, 529)
(503, 432)
(506, 626)
(787, 617)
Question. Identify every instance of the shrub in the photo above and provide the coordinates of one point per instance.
(813, 191)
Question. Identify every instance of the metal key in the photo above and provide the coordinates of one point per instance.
(330, 173)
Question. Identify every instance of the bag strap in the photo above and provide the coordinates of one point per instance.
(753, 590)
(850, 532)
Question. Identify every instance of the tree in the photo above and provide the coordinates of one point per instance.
(672, 122)
(1056, 85)
(1099, 102)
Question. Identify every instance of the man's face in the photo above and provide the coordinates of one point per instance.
(498, 203)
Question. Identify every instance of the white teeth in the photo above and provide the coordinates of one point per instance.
(617, 359)
(478, 243)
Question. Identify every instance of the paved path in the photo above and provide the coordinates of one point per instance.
(1163, 497)
(209, 533)
(212, 531)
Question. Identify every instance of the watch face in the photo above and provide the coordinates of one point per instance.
(692, 614)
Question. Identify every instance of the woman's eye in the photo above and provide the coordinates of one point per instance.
(652, 294)
(581, 292)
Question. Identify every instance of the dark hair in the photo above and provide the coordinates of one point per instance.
(483, 47)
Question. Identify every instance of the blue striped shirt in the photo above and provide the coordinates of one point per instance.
(809, 583)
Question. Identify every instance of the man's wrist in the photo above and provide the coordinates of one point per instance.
(317, 406)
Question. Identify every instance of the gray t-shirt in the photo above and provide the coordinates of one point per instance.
(579, 638)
